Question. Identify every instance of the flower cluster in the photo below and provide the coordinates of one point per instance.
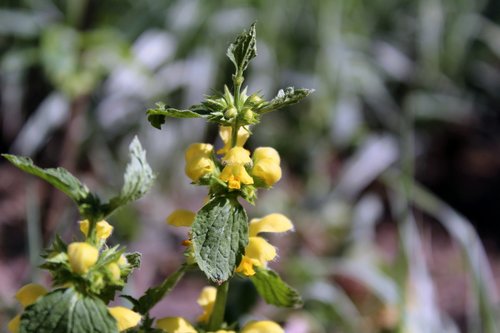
(235, 170)
(206, 301)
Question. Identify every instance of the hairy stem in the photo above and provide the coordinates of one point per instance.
(217, 317)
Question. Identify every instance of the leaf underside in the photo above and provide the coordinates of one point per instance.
(274, 290)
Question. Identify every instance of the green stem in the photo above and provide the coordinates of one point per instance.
(217, 317)
(237, 82)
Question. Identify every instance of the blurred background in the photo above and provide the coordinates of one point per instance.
(391, 168)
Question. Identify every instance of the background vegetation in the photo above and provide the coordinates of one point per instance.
(391, 167)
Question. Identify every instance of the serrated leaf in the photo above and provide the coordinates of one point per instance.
(66, 311)
(220, 235)
(274, 290)
(60, 178)
(243, 49)
(156, 294)
(157, 117)
(284, 98)
(138, 179)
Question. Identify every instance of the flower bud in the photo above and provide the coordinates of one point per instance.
(28, 294)
(14, 325)
(267, 165)
(254, 99)
(114, 269)
(248, 116)
(125, 318)
(82, 256)
(197, 150)
(266, 152)
(231, 112)
(103, 229)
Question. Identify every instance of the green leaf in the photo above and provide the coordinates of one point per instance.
(60, 178)
(220, 235)
(284, 98)
(243, 49)
(138, 179)
(274, 290)
(66, 311)
(154, 295)
(158, 116)
(133, 259)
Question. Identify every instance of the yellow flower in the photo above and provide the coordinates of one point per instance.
(114, 269)
(267, 165)
(225, 135)
(28, 294)
(103, 229)
(14, 324)
(207, 300)
(175, 325)
(196, 150)
(265, 326)
(125, 318)
(237, 155)
(235, 175)
(198, 161)
(82, 256)
(181, 218)
(224, 331)
(258, 251)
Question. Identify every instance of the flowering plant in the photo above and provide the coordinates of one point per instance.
(221, 242)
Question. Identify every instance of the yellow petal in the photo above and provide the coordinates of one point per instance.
(199, 167)
(14, 324)
(266, 152)
(223, 331)
(197, 150)
(125, 318)
(175, 325)
(259, 249)
(265, 326)
(246, 266)
(82, 256)
(270, 223)
(225, 135)
(237, 155)
(103, 229)
(206, 300)
(268, 170)
(29, 293)
(235, 175)
(181, 218)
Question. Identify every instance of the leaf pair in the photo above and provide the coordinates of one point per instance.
(138, 179)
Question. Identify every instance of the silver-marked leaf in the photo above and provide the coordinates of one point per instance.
(60, 178)
(138, 179)
(66, 311)
(243, 49)
(285, 97)
(274, 290)
(220, 235)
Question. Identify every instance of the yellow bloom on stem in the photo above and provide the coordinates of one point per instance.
(207, 300)
(225, 133)
(235, 175)
(29, 293)
(237, 155)
(265, 326)
(258, 251)
(198, 161)
(82, 256)
(103, 229)
(267, 165)
(14, 324)
(125, 318)
(181, 218)
(175, 325)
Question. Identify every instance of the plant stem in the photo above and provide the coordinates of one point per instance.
(217, 317)
(237, 82)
